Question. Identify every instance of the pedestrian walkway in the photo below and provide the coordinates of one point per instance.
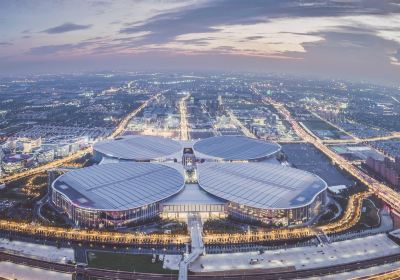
(80, 255)
(195, 227)
(322, 237)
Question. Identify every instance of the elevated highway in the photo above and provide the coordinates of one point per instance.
(388, 195)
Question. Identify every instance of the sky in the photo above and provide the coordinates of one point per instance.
(346, 39)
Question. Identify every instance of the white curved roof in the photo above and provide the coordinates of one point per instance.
(260, 185)
(138, 148)
(235, 148)
(119, 186)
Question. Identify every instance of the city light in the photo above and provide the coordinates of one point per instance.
(200, 139)
(184, 122)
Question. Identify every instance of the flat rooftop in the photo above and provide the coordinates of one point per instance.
(119, 186)
(260, 185)
(139, 148)
(235, 148)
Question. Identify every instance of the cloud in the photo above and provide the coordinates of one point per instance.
(269, 38)
(91, 46)
(5, 44)
(200, 18)
(66, 27)
(254, 37)
(314, 33)
(397, 55)
(53, 49)
(395, 59)
(265, 28)
(286, 37)
(50, 49)
(270, 28)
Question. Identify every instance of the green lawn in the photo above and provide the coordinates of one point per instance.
(126, 262)
(371, 216)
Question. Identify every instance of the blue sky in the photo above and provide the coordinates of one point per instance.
(353, 39)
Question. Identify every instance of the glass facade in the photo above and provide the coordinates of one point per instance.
(279, 217)
(95, 218)
(192, 208)
(180, 211)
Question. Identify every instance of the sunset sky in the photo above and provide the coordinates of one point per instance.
(354, 39)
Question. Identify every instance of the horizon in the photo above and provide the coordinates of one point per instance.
(188, 139)
(350, 40)
(256, 74)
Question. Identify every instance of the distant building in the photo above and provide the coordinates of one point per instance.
(17, 162)
(64, 147)
(26, 144)
(386, 168)
(45, 155)
(10, 145)
(62, 150)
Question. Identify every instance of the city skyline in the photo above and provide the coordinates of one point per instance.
(356, 40)
(159, 176)
(199, 139)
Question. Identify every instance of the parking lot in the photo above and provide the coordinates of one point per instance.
(306, 157)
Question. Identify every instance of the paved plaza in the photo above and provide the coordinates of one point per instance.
(301, 257)
(15, 271)
(49, 253)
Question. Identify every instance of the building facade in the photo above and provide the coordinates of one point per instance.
(97, 218)
(279, 217)
(232, 179)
